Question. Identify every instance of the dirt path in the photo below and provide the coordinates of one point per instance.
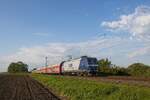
(21, 87)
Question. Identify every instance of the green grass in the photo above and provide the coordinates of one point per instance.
(77, 89)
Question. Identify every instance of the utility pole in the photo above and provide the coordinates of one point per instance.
(46, 64)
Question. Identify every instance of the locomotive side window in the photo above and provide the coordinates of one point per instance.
(70, 65)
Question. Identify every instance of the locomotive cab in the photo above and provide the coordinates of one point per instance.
(89, 64)
(92, 65)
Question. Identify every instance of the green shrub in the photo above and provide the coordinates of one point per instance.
(17, 67)
(139, 69)
(106, 68)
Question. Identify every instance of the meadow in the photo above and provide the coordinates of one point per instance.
(79, 89)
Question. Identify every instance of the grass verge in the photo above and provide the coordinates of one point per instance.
(77, 89)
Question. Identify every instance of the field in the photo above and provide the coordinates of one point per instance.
(75, 88)
(22, 87)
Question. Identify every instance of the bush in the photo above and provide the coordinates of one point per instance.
(119, 71)
(17, 67)
(106, 68)
(139, 69)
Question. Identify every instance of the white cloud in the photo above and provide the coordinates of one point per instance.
(114, 47)
(57, 52)
(137, 23)
(139, 52)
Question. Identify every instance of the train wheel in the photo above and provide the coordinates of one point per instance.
(80, 74)
(85, 74)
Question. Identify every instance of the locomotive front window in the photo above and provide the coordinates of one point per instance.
(92, 61)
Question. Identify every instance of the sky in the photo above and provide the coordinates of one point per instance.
(114, 29)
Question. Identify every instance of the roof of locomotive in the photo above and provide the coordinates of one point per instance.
(80, 58)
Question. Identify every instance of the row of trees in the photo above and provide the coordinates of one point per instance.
(136, 69)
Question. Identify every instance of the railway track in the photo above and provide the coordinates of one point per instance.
(22, 87)
(139, 81)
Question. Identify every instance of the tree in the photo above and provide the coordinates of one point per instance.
(139, 69)
(104, 65)
(17, 67)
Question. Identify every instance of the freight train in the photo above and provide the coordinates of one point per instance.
(80, 66)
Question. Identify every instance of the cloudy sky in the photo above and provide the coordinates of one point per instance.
(33, 29)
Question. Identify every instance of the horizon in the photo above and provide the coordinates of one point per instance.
(30, 30)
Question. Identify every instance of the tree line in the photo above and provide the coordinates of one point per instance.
(105, 67)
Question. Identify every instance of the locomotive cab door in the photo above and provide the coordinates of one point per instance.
(60, 70)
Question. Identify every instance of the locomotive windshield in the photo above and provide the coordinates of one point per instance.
(92, 61)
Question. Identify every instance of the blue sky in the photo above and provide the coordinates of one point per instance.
(27, 26)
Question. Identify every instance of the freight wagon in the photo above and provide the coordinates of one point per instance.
(80, 66)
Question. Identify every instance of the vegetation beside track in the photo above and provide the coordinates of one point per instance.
(78, 89)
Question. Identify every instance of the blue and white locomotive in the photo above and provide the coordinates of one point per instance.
(83, 65)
